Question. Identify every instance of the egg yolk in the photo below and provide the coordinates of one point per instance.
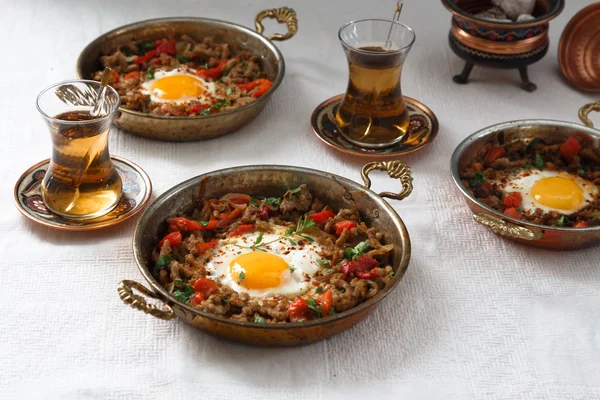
(556, 192)
(175, 87)
(261, 270)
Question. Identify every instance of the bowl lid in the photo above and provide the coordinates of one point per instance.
(579, 48)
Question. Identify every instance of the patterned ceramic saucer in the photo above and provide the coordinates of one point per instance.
(423, 129)
(136, 193)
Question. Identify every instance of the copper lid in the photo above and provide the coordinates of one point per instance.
(579, 49)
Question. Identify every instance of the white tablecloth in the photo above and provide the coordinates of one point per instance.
(475, 317)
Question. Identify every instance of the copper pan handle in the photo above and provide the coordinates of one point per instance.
(396, 170)
(585, 110)
(284, 15)
(504, 228)
(126, 294)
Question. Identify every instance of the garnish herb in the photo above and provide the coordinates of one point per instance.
(183, 292)
(319, 290)
(597, 216)
(244, 64)
(342, 290)
(331, 312)
(527, 166)
(479, 178)
(226, 300)
(323, 262)
(582, 171)
(220, 104)
(312, 304)
(225, 73)
(272, 201)
(203, 223)
(253, 202)
(294, 191)
(292, 269)
(539, 162)
(392, 273)
(229, 91)
(292, 242)
(259, 320)
(150, 75)
(145, 47)
(148, 100)
(206, 66)
(241, 277)
(358, 250)
(562, 221)
(328, 271)
(259, 238)
(162, 262)
(182, 59)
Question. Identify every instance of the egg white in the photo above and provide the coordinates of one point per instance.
(210, 90)
(523, 182)
(294, 281)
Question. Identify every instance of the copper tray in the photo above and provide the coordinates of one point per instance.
(579, 49)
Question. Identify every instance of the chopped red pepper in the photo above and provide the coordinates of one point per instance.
(513, 200)
(197, 108)
(262, 86)
(298, 310)
(340, 226)
(197, 298)
(205, 286)
(364, 264)
(325, 301)
(570, 148)
(367, 275)
(264, 213)
(132, 75)
(513, 212)
(114, 77)
(204, 247)
(226, 219)
(240, 230)
(146, 57)
(237, 198)
(167, 47)
(184, 225)
(213, 73)
(494, 154)
(174, 239)
(321, 217)
(580, 224)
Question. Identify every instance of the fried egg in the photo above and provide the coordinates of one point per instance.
(178, 86)
(562, 192)
(276, 266)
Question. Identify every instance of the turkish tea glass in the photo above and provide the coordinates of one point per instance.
(81, 181)
(373, 113)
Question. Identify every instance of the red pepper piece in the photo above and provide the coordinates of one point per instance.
(321, 217)
(197, 298)
(494, 154)
(184, 225)
(513, 200)
(340, 226)
(513, 212)
(325, 301)
(212, 73)
(204, 247)
(132, 75)
(363, 264)
(174, 239)
(264, 213)
(367, 275)
(197, 108)
(262, 86)
(226, 219)
(580, 224)
(240, 230)
(298, 310)
(167, 47)
(146, 57)
(205, 286)
(570, 148)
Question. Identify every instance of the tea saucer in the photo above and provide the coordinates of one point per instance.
(423, 129)
(137, 189)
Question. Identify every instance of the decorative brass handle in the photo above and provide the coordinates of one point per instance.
(508, 229)
(585, 110)
(126, 294)
(396, 170)
(283, 15)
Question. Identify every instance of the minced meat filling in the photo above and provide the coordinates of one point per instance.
(547, 182)
(351, 264)
(205, 77)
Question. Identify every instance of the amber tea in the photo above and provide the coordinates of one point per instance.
(373, 112)
(81, 181)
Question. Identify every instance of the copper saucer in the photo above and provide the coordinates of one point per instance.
(136, 193)
(422, 130)
(579, 49)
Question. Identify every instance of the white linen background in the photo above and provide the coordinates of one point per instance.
(475, 316)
